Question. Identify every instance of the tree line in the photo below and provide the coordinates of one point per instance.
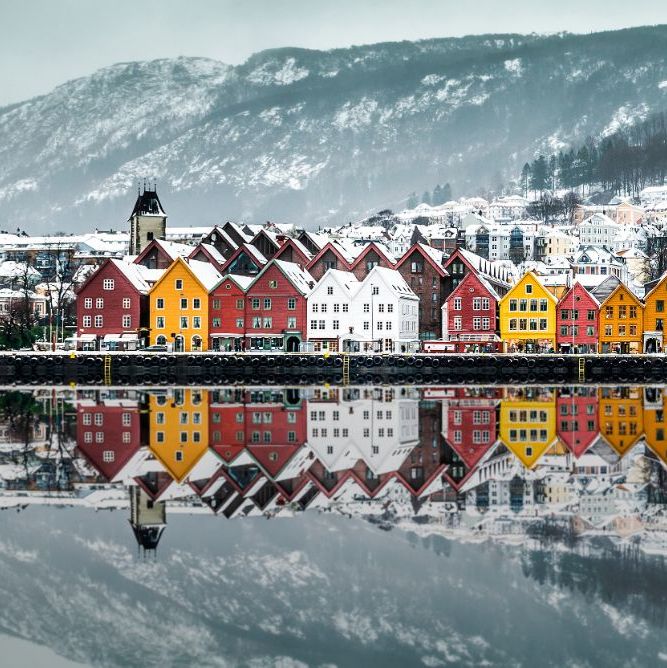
(439, 195)
(624, 162)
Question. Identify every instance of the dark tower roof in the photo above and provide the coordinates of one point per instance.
(148, 536)
(148, 204)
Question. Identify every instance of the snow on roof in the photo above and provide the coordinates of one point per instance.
(435, 254)
(299, 277)
(392, 279)
(212, 251)
(133, 274)
(255, 253)
(205, 272)
(599, 218)
(173, 249)
(12, 269)
(242, 281)
(494, 270)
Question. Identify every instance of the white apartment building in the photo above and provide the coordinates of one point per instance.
(598, 230)
(380, 313)
(505, 209)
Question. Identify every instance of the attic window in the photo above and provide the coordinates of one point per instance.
(273, 284)
(529, 289)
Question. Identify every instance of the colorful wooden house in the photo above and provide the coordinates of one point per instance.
(528, 317)
(469, 315)
(655, 421)
(577, 321)
(654, 317)
(179, 305)
(621, 326)
(577, 409)
(227, 313)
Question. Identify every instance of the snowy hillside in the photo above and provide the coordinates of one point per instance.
(312, 136)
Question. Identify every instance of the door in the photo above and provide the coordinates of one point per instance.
(179, 344)
(293, 344)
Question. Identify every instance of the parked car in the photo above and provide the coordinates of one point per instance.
(156, 348)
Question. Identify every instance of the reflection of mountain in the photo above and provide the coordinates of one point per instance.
(320, 591)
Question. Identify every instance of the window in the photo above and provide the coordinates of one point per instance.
(254, 303)
(216, 322)
(239, 323)
(99, 437)
(608, 330)
(256, 322)
(660, 306)
(476, 323)
(590, 315)
(184, 303)
(273, 284)
(127, 302)
(336, 324)
(196, 322)
(267, 303)
(457, 322)
(267, 322)
(159, 322)
(99, 302)
(159, 303)
(88, 302)
(196, 303)
(366, 325)
(99, 321)
(565, 314)
(178, 284)
(88, 437)
(457, 304)
(375, 290)
(329, 290)
(291, 322)
(291, 303)
(608, 312)
(108, 284)
(108, 456)
(513, 304)
(529, 289)
(346, 308)
(633, 311)
(324, 308)
(367, 308)
(239, 304)
(87, 321)
(184, 322)
(127, 321)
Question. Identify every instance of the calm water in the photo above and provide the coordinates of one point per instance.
(444, 526)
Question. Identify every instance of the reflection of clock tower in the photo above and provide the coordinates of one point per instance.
(147, 222)
(148, 518)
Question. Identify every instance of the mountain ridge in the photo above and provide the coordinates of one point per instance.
(316, 137)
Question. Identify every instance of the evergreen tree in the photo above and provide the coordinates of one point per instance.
(412, 201)
(426, 197)
(525, 179)
(437, 196)
(447, 193)
(539, 172)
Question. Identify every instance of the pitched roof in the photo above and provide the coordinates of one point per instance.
(148, 204)
(205, 273)
(433, 255)
(210, 251)
(170, 248)
(299, 278)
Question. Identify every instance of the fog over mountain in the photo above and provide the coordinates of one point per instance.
(316, 137)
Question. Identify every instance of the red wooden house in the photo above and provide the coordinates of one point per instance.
(223, 243)
(112, 307)
(578, 425)
(208, 253)
(276, 307)
(421, 267)
(294, 251)
(469, 315)
(109, 432)
(462, 262)
(577, 321)
(370, 257)
(227, 313)
(332, 255)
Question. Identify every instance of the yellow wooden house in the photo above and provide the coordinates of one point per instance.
(178, 429)
(528, 317)
(179, 305)
(621, 328)
(620, 417)
(528, 424)
(655, 313)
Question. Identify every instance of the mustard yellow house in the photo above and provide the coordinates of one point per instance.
(179, 305)
(528, 424)
(655, 312)
(655, 421)
(621, 326)
(528, 317)
(621, 417)
(178, 429)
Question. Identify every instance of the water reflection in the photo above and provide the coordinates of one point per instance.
(471, 461)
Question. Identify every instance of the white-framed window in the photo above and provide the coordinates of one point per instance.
(127, 436)
(196, 322)
(291, 322)
(196, 302)
(99, 437)
(108, 284)
(87, 321)
(126, 419)
(88, 302)
(458, 321)
(99, 419)
(127, 302)
(184, 303)
(291, 303)
(88, 437)
(86, 419)
(457, 303)
(184, 322)
(108, 456)
(178, 284)
(267, 303)
(159, 322)
(159, 303)
(127, 321)
(99, 321)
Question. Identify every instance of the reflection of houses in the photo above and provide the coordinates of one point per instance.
(577, 409)
(528, 423)
(620, 417)
(178, 429)
(147, 518)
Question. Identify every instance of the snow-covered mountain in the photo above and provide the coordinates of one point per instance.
(311, 136)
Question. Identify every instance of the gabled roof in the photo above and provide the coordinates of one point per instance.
(661, 280)
(578, 284)
(341, 253)
(537, 280)
(273, 458)
(134, 273)
(204, 273)
(242, 282)
(605, 288)
(392, 279)
(622, 287)
(211, 252)
(298, 277)
(344, 279)
(494, 271)
(249, 250)
(472, 276)
(270, 236)
(432, 255)
(170, 248)
(297, 247)
(373, 246)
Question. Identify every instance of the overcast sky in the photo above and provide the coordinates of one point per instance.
(46, 42)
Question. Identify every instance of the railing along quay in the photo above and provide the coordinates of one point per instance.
(205, 368)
